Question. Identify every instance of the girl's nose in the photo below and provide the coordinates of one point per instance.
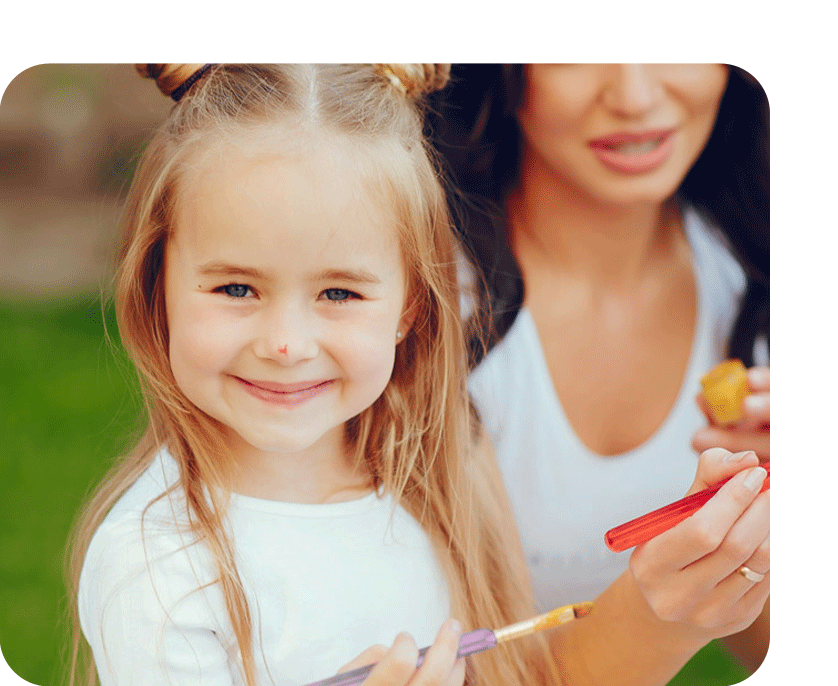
(288, 336)
(632, 90)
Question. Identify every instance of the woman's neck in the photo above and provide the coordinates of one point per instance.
(555, 226)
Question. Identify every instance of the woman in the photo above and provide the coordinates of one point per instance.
(616, 217)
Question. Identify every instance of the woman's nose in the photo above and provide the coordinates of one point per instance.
(632, 89)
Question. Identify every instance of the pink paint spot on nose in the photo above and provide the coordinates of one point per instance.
(284, 349)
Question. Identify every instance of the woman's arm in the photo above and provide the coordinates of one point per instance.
(751, 645)
(682, 588)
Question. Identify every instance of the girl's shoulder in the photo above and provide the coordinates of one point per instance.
(147, 528)
(143, 559)
(155, 492)
(146, 595)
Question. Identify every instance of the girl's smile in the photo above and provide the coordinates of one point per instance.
(283, 394)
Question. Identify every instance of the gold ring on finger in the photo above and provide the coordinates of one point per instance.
(750, 574)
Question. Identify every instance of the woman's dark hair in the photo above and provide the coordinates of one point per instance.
(476, 133)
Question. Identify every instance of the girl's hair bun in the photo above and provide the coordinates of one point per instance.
(169, 77)
(418, 80)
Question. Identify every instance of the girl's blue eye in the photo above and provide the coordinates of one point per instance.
(338, 294)
(235, 290)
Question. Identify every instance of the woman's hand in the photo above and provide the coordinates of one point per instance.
(753, 431)
(691, 575)
(396, 666)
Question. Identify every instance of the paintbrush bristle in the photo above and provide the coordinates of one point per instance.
(562, 615)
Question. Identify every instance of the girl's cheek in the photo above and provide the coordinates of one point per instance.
(199, 336)
(372, 346)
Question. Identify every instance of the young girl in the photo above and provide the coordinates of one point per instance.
(306, 486)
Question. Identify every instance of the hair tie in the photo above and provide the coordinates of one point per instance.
(180, 91)
(395, 80)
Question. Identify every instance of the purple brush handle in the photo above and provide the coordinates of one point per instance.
(472, 642)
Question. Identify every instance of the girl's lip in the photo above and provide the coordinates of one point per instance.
(607, 150)
(284, 393)
(275, 387)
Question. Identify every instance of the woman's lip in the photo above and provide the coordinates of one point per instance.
(607, 151)
(630, 137)
(287, 394)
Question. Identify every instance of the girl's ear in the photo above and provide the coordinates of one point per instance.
(406, 321)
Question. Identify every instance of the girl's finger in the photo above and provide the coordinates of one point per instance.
(440, 659)
(397, 666)
(458, 674)
(370, 656)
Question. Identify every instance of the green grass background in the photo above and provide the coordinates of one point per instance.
(68, 406)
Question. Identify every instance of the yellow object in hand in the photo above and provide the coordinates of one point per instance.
(725, 387)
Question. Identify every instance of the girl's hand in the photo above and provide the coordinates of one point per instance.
(396, 666)
(690, 574)
(753, 431)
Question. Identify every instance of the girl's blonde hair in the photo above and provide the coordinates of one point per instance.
(418, 438)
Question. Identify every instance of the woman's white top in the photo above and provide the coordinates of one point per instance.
(324, 582)
(566, 497)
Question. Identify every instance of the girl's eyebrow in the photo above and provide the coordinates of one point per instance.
(225, 269)
(359, 276)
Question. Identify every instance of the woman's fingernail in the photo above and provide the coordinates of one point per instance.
(756, 403)
(754, 480)
(735, 457)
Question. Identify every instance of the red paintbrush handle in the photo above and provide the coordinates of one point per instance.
(648, 526)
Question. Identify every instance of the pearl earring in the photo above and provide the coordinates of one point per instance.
(398, 334)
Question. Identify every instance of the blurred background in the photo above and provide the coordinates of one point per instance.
(70, 136)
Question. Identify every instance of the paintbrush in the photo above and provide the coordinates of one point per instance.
(478, 640)
(648, 526)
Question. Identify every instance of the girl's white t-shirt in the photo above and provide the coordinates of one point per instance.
(324, 582)
(566, 497)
